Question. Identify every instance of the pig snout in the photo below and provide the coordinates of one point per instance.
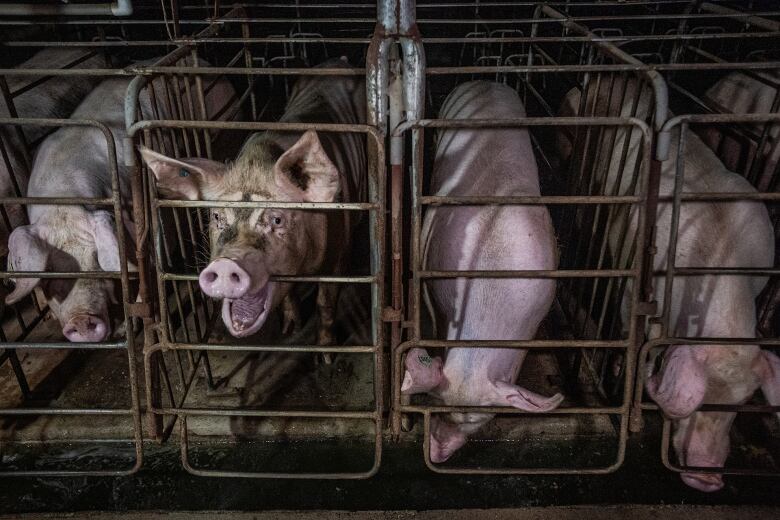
(86, 328)
(224, 278)
(446, 438)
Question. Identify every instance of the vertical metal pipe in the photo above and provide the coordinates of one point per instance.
(396, 101)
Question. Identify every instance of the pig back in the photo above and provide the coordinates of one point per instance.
(738, 93)
(744, 232)
(55, 98)
(486, 162)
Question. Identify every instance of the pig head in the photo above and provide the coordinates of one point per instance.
(73, 240)
(694, 375)
(249, 246)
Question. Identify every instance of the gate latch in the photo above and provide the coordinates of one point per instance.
(139, 310)
(647, 308)
(391, 315)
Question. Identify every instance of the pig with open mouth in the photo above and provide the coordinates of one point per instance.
(250, 246)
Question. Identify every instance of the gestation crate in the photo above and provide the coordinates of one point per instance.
(282, 404)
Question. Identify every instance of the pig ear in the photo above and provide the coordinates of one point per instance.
(768, 370)
(523, 399)
(182, 178)
(105, 240)
(423, 373)
(679, 387)
(27, 251)
(305, 171)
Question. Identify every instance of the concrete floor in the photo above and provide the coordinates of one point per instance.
(531, 513)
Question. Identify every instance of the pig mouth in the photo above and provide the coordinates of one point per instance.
(246, 315)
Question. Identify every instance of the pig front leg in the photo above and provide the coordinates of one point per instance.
(291, 315)
(327, 296)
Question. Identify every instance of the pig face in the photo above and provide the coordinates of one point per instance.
(74, 240)
(248, 246)
(691, 376)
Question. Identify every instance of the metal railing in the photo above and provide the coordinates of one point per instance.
(542, 51)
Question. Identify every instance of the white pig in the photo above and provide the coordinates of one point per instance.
(711, 234)
(73, 162)
(472, 163)
(54, 98)
(738, 93)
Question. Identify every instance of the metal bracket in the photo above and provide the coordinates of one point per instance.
(139, 310)
(647, 308)
(390, 315)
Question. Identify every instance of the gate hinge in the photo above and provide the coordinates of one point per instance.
(139, 310)
(391, 315)
(647, 308)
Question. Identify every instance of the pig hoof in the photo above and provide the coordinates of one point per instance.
(406, 423)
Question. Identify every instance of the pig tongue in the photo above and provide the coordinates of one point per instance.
(245, 311)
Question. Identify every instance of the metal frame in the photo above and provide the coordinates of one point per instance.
(420, 274)
(665, 337)
(123, 276)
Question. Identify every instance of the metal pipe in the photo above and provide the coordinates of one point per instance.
(118, 8)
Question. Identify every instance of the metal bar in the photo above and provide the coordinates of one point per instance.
(118, 8)
(430, 71)
(343, 206)
(540, 273)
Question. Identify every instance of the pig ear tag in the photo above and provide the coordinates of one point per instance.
(184, 173)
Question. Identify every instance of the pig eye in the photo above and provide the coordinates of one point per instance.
(277, 220)
(184, 173)
(219, 220)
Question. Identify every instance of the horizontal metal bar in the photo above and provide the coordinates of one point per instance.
(425, 40)
(443, 71)
(519, 122)
(215, 347)
(526, 343)
(437, 200)
(64, 411)
(433, 71)
(65, 345)
(719, 271)
(243, 412)
(109, 275)
(502, 21)
(60, 201)
(150, 70)
(541, 273)
(256, 125)
(311, 278)
(508, 410)
(333, 206)
(721, 197)
(714, 341)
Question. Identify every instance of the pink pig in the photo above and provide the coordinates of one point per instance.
(469, 163)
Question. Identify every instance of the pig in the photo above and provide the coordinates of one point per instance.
(738, 93)
(55, 98)
(711, 234)
(248, 246)
(73, 162)
(491, 162)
